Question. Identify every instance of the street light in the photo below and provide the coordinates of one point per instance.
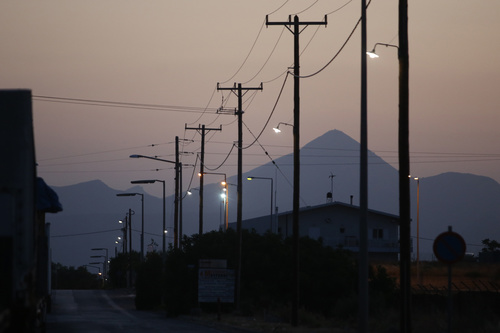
(178, 181)
(418, 227)
(105, 268)
(271, 215)
(99, 268)
(142, 224)
(372, 53)
(98, 263)
(404, 165)
(225, 197)
(277, 128)
(151, 181)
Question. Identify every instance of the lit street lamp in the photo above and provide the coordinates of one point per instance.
(151, 181)
(99, 268)
(105, 267)
(372, 53)
(142, 226)
(225, 196)
(271, 215)
(277, 128)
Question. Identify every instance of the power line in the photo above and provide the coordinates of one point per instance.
(269, 57)
(114, 104)
(86, 233)
(338, 52)
(336, 10)
(101, 152)
(312, 5)
(270, 115)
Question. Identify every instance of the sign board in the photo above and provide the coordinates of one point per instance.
(449, 247)
(212, 263)
(214, 284)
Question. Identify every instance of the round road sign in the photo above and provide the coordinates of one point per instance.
(449, 247)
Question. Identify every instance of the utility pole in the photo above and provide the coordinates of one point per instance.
(363, 298)
(404, 169)
(125, 234)
(238, 90)
(296, 154)
(177, 194)
(202, 130)
(130, 213)
(180, 204)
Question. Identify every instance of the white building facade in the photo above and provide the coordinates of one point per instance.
(337, 224)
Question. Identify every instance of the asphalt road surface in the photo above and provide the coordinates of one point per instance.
(101, 311)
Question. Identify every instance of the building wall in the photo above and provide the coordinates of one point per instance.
(338, 226)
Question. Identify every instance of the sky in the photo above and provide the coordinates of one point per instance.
(159, 63)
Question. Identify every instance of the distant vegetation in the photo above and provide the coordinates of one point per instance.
(64, 277)
(328, 285)
(328, 277)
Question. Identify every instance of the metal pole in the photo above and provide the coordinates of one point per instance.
(296, 174)
(202, 165)
(404, 169)
(418, 231)
(142, 227)
(180, 204)
(227, 205)
(164, 219)
(125, 237)
(363, 181)
(271, 226)
(176, 200)
(239, 209)
(130, 283)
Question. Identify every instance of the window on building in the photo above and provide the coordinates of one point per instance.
(378, 234)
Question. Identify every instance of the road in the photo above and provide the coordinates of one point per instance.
(101, 311)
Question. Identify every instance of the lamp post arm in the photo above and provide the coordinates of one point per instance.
(384, 44)
(152, 158)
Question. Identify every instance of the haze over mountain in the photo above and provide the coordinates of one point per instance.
(469, 203)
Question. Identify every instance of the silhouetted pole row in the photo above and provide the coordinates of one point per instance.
(296, 155)
(238, 90)
(202, 130)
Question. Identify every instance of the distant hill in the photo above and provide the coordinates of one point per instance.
(469, 203)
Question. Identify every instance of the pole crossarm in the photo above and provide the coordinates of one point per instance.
(290, 22)
(234, 90)
(201, 129)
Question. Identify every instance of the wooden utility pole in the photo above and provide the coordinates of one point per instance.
(202, 130)
(238, 90)
(404, 169)
(363, 299)
(177, 195)
(296, 24)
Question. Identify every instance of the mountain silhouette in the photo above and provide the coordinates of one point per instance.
(469, 203)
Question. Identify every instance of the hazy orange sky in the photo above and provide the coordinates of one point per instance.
(173, 53)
